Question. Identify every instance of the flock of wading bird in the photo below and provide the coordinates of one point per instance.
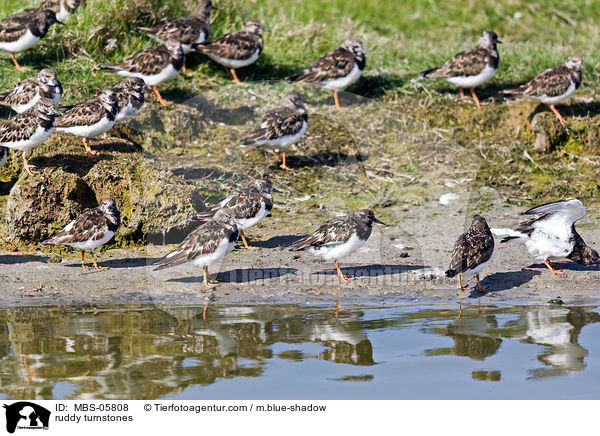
(549, 231)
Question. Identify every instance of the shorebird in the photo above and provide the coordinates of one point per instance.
(472, 252)
(235, 50)
(28, 92)
(90, 118)
(130, 99)
(153, 65)
(90, 230)
(22, 31)
(205, 245)
(553, 85)
(550, 234)
(281, 127)
(470, 68)
(187, 30)
(339, 237)
(337, 70)
(250, 205)
(29, 129)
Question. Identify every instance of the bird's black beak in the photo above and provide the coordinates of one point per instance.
(277, 190)
(213, 8)
(60, 22)
(379, 221)
(498, 41)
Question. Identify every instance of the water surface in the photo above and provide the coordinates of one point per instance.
(292, 352)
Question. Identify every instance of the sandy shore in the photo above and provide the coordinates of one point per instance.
(402, 262)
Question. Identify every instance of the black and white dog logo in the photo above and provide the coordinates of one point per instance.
(26, 415)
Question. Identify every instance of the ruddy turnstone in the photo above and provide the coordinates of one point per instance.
(339, 237)
(281, 127)
(187, 30)
(206, 244)
(553, 85)
(130, 99)
(90, 230)
(153, 65)
(90, 118)
(250, 205)
(29, 129)
(62, 8)
(28, 92)
(22, 31)
(470, 68)
(551, 234)
(472, 252)
(235, 50)
(337, 70)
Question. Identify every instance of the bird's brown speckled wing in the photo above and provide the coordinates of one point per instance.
(552, 82)
(19, 127)
(337, 230)
(13, 27)
(203, 240)
(470, 250)
(239, 45)
(335, 64)
(91, 225)
(20, 94)
(467, 63)
(183, 29)
(82, 114)
(277, 123)
(149, 61)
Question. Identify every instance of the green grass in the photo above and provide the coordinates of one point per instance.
(402, 38)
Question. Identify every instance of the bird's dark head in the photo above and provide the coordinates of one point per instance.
(225, 215)
(134, 84)
(293, 99)
(355, 47)
(367, 216)
(590, 256)
(174, 47)
(575, 63)
(45, 108)
(263, 185)
(48, 77)
(109, 206)
(204, 7)
(479, 223)
(255, 26)
(489, 39)
(108, 98)
(43, 19)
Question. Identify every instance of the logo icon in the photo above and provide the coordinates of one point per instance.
(26, 415)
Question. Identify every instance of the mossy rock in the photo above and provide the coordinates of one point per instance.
(39, 205)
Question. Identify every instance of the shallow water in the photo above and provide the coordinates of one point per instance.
(292, 352)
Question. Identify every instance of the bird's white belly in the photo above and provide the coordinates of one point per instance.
(543, 245)
(472, 81)
(285, 141)
(20, 108)
(477, 269)
(342, 83)
(152, 80)
(234, 63)
(246, 223)
(223, 249)
(56, 97)
(26, 41)
(102, 126)
(126, 113)
(188, 47)
(3, 156)
(39, 136)
(558, 98)
(338, 250)
(91, 245)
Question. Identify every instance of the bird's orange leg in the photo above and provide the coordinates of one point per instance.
(28, 168)
(116, 131)
(161, 100)
(185, 72)
(462, 94)
(336, 99)
(99, 268)
(558, 115)
(283, 165)
(235, 77)
(460, 285)
(555, 270)
(479, 104)
(83, 265)
(340, 274)
(480, 288)
(276, 155)
(249, 247)
(19, 67)
(88, 148)
(207, 280)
